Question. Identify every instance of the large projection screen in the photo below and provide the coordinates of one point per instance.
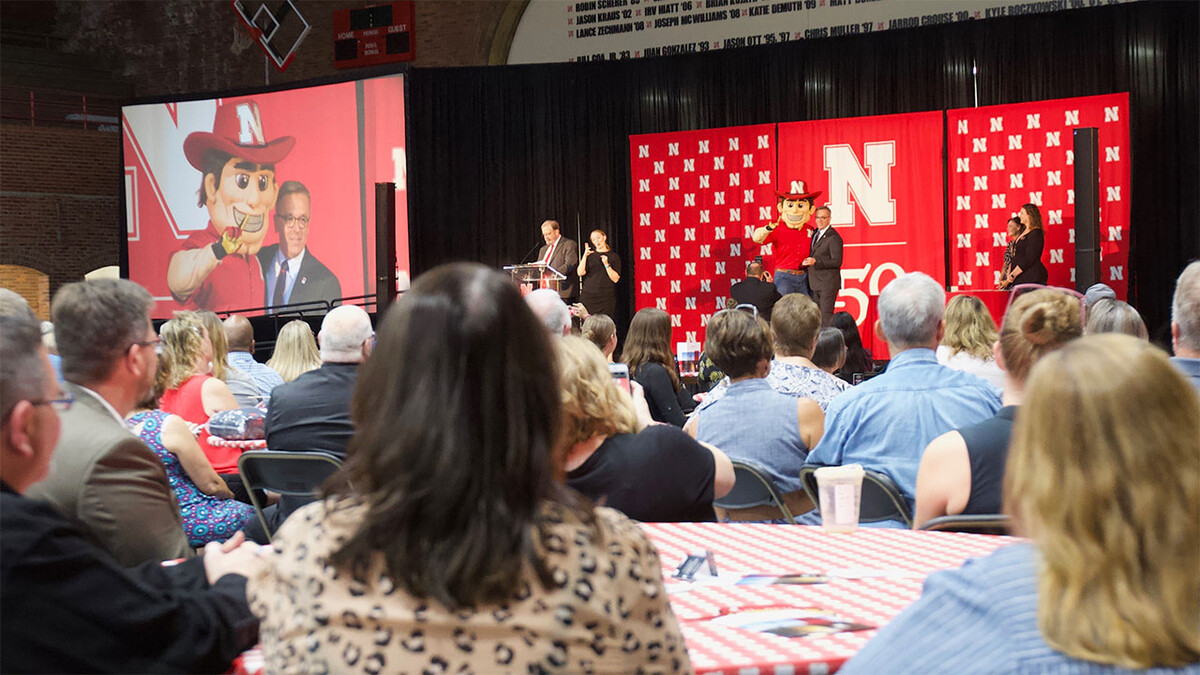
(333, 142)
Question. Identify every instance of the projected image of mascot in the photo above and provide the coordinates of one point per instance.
(218, 268)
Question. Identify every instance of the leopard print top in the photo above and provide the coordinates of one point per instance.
(607, 611)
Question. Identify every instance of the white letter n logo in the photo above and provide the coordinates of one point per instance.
(249, 125)
(847, 175)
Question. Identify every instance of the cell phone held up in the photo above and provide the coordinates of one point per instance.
(620, 375)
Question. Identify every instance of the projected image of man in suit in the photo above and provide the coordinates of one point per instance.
(293, 273)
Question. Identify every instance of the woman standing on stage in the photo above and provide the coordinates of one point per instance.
(1027, 267)
(599, 270)
(1015, 227)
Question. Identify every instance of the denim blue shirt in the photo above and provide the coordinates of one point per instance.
(886, 422)
(753, 421)
(981, 618)
(264, 376)
(1190, 369)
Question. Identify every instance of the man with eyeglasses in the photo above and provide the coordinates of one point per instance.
(105, 478)
(67, 605)
(293, 273)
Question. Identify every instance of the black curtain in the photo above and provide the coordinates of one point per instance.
(493, 151)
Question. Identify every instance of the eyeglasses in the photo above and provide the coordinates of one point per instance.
(147, 343)
(61, 404)
(1022, 289)
(290, 221)
(747, 307)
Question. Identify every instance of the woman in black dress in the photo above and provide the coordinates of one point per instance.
(1027, 267)
(599, 270)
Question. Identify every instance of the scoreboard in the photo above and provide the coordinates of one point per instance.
(373, 35)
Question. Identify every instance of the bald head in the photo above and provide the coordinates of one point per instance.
(344, 335)
(550, 310)
(239, 334)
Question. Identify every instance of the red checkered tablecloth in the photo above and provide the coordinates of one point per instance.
(874, 574)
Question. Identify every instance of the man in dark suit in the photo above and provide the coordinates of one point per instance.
(292, 273)
(312, 412)
(105, 478)
(824, 263)
(756, 290)
(563, 255)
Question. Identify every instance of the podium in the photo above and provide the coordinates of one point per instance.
(535, 275)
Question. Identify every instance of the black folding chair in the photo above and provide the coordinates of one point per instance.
(881, 497)
(291, 474)
(753, 488)
(975, 524)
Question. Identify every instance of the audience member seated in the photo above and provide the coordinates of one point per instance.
(240, 336)
(67, 605)
(753, 421)
(652, 364)
(756, 289)
(550, 309)
(105, 479)
(602, 332)
(1185, 323)
(446, 543)
(970, 335)
(1108, 582)
(885, 423)
(1110, 315)
(312, 412)
(795, 328)
(708, 374)
(241, 385)
(1097, 292)
(830, 352)
(206, 504)
(191, 392)
(858, 357)
(963, 471)
(295, 351)
(658, 475)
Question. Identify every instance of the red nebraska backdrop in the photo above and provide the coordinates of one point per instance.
(882, 180)
(1001, 157)
(698, 195)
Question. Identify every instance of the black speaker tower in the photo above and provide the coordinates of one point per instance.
(385, 246)
(1087, 208)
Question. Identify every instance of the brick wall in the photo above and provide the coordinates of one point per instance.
(59, 203)
(30, 284)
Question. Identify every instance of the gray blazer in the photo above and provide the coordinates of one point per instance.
(105, 479)
(826, 273)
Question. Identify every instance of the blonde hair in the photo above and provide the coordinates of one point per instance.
(969, 327)
(1109, 315)
(593, 405)
(295, 351)
(220, 347)
(1036, 324)
(182, 337)
(599, 329)
(1104, 476)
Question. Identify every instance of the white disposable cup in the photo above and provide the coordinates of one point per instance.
(839, 490)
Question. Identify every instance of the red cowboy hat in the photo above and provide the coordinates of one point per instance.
(238, 132)
(799, 190)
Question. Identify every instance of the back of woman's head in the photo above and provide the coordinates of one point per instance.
(1036, 324)
(593, 405)
(599, 329)
(456, 415)
(220, 347)
(858, 359)
(1104, 475)
(1110, 315)
(737, 342)
(830, 353)
(182, 339)
(649, 341)
(295, 351)
(969, 327)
